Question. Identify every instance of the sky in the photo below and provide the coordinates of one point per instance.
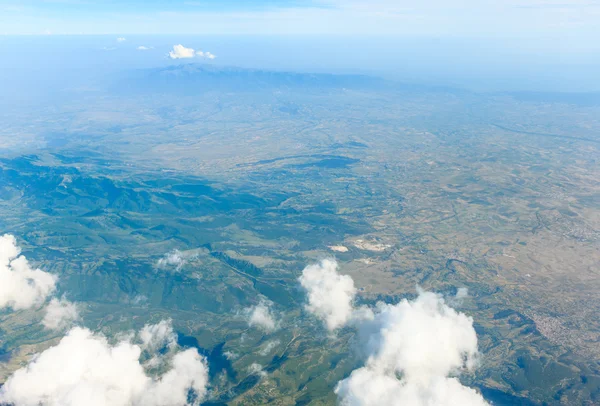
(572, 21)
(487, 44)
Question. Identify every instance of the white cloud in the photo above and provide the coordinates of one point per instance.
(60, 314)
(257, 369)
(121, 39)
(269, 346)
(181, 52)
(425, 342)
(21, 286)
(209, 55)
(85, 369)
(157, 336)
(261, 316)
(413, 349)
(230, 355)
(139, 300)
(174, 259)
(144, 48)
(330, 294)
(368, 387)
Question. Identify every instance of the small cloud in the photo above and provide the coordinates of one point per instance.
(144, 48)
(257, 369)
(60, 314)
(261, 316)
(66, 180)
(174, 260)
(21, 286)
(330, 294)
(155, 337)
(269, 346)
(121, 39)
(230, 355)
(181, 52)
(139, 300)
(206, 55)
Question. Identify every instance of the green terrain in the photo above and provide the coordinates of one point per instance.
(438, 188)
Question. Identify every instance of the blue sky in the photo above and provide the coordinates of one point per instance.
(575, 22)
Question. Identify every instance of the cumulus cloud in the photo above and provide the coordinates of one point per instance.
(261, 316)
(84, 368)
(144, 48)
(330, 294)
(60, 314)
(121, 39)
(257, 369)
(206, 55)
(413, 350)
(425, 342)
(173, 260)
(21, 286)
(181, 52)
(157, 336)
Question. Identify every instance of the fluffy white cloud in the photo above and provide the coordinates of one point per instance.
(330, 294)
(261, 316)
(60, 314)
(413, 349)
(368, 387)
(21, 286)
(121, 39)
(174, 260)
(144, 48)
(181, 52)
(157, 336)
(85, 369)
(425, 342)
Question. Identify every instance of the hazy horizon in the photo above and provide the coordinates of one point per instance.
(471, 65)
